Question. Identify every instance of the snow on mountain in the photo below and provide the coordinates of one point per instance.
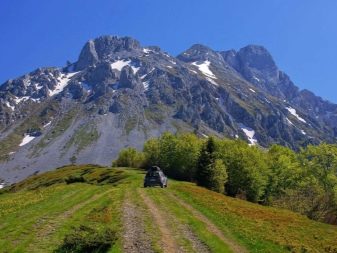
(204, 68)
(120, 64)
(63, 82)
(26, 140)
(294, 113)
(250, 133)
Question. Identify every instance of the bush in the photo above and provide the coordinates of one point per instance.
(75, 179)
(89, 240)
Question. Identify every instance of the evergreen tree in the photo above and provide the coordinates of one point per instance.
(205, 163)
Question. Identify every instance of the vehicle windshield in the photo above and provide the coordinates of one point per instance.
(153, 174)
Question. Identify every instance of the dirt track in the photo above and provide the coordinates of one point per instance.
(170, 231)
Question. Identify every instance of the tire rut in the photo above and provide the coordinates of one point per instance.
(210, 225)
(134, 236)
(169, 243)
(47, 226)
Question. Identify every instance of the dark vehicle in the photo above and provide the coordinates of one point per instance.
(154, 177)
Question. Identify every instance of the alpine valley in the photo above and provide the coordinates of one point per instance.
(120, 94)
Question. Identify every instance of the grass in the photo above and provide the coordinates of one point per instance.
(42, 211)
(12, 141)
(83, 137)
(181, 216)
(156, 113)
(130, 124)
(56, 210)
(62, 124)
(259, 228)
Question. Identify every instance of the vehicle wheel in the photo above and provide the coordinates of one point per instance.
(161, 185)
(145, 185)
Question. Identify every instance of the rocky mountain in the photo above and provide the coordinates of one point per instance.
(120, 93)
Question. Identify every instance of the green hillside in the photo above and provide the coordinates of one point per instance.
(95, 209)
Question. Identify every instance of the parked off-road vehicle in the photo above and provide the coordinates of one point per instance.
(155, 177)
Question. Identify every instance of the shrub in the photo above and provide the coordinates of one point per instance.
(89, 240)
(75, 179)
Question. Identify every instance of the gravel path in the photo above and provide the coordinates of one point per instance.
(134, 236)
(168, 241)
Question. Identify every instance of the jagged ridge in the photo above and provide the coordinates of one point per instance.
(120, 93)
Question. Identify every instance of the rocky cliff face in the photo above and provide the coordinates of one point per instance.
(120, 93)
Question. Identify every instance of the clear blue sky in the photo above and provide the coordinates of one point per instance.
(300, 34)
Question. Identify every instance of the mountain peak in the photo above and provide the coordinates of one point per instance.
(257, 57)
(103, 47)
(199, 52)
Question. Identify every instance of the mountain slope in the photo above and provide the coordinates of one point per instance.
(120, 93)
(101, 206)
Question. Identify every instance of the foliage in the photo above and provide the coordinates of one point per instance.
(129, 157)
(177, 155)
(305, 182)
(211, 172)
(89, 174)
(246, 167)
(86, 239)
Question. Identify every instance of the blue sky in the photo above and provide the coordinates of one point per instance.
(301, 34)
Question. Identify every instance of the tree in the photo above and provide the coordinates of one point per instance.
(285, 172)
(73, 159)
(152, 152)
(129, 157)
(175, 154)
(320, 163)
(246, 167)
(218, 176)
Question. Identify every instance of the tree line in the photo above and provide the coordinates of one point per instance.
(304, 181)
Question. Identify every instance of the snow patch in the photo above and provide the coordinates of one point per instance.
(255, 78)
(143, 76)
(26, 140)
(62, 83)
(19, 100)
(37, 100)
(252, 90)
(250, 133)
(304, 133)
(212, 81)
(38, 86)
(204, 68)
(135, 69)
(47, 124)
(10, 106)
(120, 64)
(294, 113)
(146, 50)
(193, 71)
(288, 120)
(146, 85)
